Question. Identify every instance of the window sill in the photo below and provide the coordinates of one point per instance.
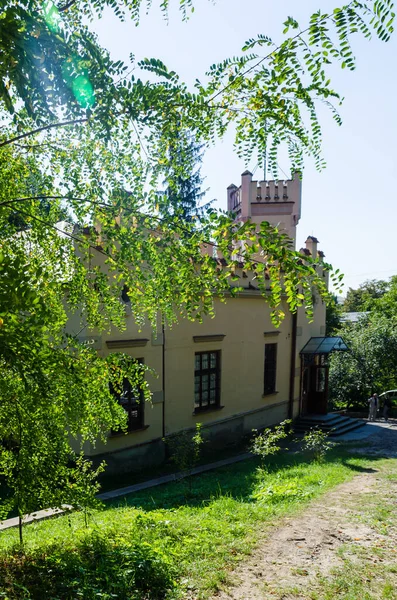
(210, 409)
(269, 394)
(123, 433)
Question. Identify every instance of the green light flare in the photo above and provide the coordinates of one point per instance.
(52, 16)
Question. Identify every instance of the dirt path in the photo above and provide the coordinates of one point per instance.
(294, 554)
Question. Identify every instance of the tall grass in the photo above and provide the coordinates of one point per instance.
(165, 542)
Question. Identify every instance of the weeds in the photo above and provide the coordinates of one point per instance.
(99, 567)
(185, 448)
(316, 442)
(266, 443)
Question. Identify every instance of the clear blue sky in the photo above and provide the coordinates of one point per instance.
(351, 206)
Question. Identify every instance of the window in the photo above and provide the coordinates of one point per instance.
(207, 380)
(124, 294)
(320, 379)
(133, 402)
(269, 386)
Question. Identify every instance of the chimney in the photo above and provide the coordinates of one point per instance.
(246, 179)
(311, 245)
(231, 203)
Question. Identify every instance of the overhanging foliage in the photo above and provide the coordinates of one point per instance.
(85, 137)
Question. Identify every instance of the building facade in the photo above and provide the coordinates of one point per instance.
(231, 373)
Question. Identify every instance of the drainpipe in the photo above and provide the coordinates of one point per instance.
(292, 367)
(163, 374)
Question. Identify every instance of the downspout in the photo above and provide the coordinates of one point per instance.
(292, 366)
(163, 375)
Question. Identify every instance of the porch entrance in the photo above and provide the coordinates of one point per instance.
(314, 373)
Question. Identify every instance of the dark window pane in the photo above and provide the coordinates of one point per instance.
(270, 368)
(320, 380)
(204, 382)
(131, 399)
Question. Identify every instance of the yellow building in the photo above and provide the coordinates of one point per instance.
(232, 373)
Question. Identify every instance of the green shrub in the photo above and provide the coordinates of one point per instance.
(316, 441)
(101, 566)
(185, 449)
(266, 443)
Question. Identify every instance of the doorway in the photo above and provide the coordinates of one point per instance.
(315, 385)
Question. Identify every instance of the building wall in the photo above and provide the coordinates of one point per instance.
(242, 327)
(243, 321)
(246, 326)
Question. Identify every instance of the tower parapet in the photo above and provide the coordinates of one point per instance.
(278, 202)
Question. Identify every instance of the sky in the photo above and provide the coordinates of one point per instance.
(351, 205)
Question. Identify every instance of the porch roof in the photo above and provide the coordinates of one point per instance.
(324, 345)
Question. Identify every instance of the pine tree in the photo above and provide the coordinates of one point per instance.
(183, 181)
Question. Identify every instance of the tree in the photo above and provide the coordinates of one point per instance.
(52, 389)
(332, 316)
(82, 134)
(365, 297)
(386, 304)
(369, 365)
(183, 181)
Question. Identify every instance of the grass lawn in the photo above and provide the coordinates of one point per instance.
(166, 542)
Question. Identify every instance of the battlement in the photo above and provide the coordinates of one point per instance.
(278, 202)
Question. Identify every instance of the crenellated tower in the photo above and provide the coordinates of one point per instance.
(278, 202)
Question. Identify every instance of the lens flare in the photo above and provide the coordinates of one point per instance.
(76, 77)
(83, 91)
(52, 16)
(74, 74)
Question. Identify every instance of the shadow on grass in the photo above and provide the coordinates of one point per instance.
(358, 468)
(236, 481)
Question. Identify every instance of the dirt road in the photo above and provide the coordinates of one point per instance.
(343, 527)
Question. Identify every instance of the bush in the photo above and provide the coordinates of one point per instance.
(266, 443)
(101, 566)
(185, 449)
(316, 442)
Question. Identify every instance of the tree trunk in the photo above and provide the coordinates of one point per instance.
(20, 526)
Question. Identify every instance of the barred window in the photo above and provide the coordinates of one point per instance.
(207, 380)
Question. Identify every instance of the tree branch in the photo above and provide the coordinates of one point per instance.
(66, 6)
(61, 231)
(44, 128)
(13, 200)
(240, 77)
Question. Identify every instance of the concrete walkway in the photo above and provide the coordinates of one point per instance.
(357, 435)
(40, 515)
(370, 429)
